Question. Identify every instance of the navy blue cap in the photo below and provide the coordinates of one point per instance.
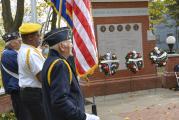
(10, 36)
(57, 35)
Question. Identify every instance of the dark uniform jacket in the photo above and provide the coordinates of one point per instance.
(63, 99)
(9, 61)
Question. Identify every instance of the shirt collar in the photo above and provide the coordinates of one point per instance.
(28, 45)
(53, 52)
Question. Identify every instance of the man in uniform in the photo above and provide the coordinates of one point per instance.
(9, 70)
(62, 96)
(30, 62)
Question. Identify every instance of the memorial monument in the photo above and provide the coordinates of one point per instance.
(122, 26)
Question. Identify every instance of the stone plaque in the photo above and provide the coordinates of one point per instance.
(120, 39)
(112, 12)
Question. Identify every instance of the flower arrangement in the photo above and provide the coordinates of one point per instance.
(7, 116)
(134, 61)
(158, 57)
(108, 64)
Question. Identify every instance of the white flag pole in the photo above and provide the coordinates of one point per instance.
(33, 11)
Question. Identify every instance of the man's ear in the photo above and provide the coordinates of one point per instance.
(61, 47)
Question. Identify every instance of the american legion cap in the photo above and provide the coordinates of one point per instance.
(57, 35)
(10, 36)
(27, 28)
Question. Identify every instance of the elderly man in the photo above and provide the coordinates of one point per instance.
(62, 96)
(9, 70)
(30, 62)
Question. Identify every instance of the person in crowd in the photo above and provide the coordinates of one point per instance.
(61, 91)
(31, 61)
(45, 50)
(9, 72)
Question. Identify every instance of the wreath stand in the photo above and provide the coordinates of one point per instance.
(156, 56)
(131, 80)
(109, 63)
(137, 69)
(156, 81)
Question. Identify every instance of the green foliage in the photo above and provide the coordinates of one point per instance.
(156, 10)
(7, 116)
(174, 11)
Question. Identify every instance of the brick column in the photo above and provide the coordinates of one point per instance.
(169, 76)
(5, 103)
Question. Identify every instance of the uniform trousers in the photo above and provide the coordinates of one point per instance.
(32, 100)
(18, 107)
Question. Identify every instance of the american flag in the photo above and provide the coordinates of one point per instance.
(77, 13)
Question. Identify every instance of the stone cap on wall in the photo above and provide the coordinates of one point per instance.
(173, 55)
(117, 0)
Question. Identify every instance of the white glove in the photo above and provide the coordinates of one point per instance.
(91, 117)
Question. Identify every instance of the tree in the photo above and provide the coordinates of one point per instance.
(174, 11)
(54, 17)
(158, 11)
(12, 24)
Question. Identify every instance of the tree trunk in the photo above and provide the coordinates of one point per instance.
(19, 15)
(7, 15)
(54, 18)
(11, 25)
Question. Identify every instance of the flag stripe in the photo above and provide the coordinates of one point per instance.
(78, 65)
(70, 2)
(84, 22)
(69, 10)
(86, 54)
(69, 7)
(80, 57)
(79, 68)
(87, 14)
(84, 36)
(86, 3)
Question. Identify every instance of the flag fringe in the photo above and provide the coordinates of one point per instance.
(88, 73)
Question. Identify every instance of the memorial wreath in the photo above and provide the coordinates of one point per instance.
(158, 57)
(134, 61)
(108, 63)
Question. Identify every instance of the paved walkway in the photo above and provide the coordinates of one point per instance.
(154, 104)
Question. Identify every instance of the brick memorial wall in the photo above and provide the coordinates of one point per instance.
(5, 103)
(122, 26)
(169, 78)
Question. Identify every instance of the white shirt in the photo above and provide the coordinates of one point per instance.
(30, 61)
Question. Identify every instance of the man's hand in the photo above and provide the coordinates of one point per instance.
(91, 117)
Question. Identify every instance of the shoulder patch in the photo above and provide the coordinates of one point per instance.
(51, 67)
(28, 59)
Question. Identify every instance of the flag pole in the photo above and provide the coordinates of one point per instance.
(94, 107)
(33, 11)
(60, 13)
(47, 21)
